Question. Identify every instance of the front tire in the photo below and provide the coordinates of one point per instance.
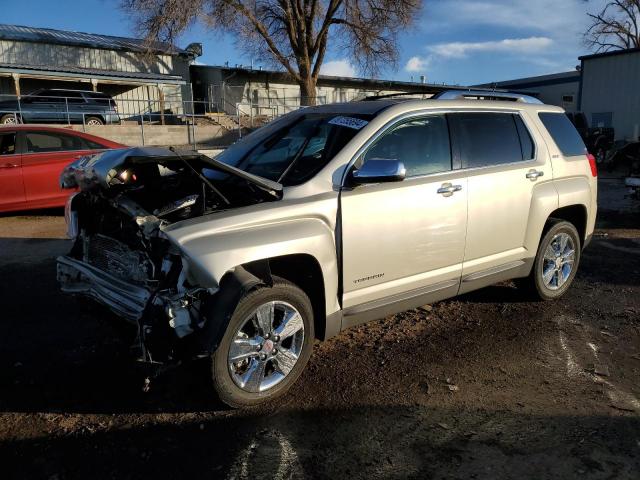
(556, 262)
(266, 346)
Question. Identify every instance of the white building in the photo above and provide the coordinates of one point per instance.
(610, 91)
(273, 93)
(142, 78)
(559, 89)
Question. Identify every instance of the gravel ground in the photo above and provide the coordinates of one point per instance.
(484, 386)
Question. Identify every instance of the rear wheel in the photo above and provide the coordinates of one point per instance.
(92, 121)
(9, 119)
(556, 262)
(266, 346)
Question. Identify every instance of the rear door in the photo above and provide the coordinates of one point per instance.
(11, 183)
(45, 156)
(73, 106)
(43, 107)
(503, 166)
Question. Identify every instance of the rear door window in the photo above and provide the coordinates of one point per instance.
(99, 99)
(66, 96)
(487, 139)
(563, 133)
(8, 143)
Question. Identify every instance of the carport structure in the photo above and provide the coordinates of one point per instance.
(143, 77)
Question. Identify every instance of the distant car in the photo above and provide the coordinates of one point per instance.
(31, 160)
(60, 106)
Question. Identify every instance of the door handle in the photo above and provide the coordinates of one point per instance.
(534, 174)
(8, 165)
(447, 189)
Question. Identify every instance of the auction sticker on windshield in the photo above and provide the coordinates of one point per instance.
(348, 122)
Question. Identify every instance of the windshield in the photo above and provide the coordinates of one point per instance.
(295, 148)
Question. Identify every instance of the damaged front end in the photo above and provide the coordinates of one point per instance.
(122, 259)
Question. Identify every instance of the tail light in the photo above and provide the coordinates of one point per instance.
(592, 164)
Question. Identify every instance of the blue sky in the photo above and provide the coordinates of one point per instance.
(453, 41)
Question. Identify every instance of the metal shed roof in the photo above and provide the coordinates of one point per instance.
(81, 39)
(78, 72)
(610, 53)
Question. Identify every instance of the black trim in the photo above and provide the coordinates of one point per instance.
(401, 302)
(609, 54)
(542, 83)
(493, 271)
(398, 298)
(580, 85)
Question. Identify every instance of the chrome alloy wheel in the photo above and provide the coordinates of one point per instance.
(93, 122)
(559, 258)
(10, 120)
(266, 347)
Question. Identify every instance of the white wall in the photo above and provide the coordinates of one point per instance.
(611, 84)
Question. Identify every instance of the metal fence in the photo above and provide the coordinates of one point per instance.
(236, 117)
(255, 101)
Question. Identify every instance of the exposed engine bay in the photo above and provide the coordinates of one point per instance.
(122, 259)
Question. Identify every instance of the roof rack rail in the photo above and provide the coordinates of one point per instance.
(484, 94)
(398, 94)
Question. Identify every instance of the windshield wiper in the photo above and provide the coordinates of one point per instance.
(269, 186)
(202, 177)
(297, 157)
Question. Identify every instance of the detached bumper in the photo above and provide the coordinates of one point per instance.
(125, 299)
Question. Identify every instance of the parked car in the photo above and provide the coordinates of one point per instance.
(31, 160)
(369, 208)
(599, 140)
(60, 106)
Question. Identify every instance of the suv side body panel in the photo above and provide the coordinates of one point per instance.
(572, 178)
(308, 221)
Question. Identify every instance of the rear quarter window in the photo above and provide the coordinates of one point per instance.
(563, 133)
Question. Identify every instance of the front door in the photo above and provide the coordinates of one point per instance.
(45, 106)
(404, 240)
(11, 183)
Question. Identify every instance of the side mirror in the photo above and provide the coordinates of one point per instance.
(379, 171)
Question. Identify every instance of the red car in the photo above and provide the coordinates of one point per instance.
(31, 160)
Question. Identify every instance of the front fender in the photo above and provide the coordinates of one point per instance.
(210, 255)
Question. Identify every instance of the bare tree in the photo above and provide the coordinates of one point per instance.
(616, 27)
(292, 33)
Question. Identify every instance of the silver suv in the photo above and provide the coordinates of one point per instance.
(326, 218)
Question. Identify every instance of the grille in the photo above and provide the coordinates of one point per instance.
(115, 258)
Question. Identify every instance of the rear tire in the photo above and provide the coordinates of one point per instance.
(276, 358)
(556, 262)
(93, 121)
(10, 119)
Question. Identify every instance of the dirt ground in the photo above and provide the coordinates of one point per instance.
(485, 386)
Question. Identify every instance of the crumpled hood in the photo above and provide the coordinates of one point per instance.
(105, 169)
(101, 169)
